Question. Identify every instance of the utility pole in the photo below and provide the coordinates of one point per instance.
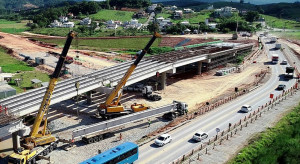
(77, 84)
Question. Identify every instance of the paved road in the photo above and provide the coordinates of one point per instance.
(219, 118)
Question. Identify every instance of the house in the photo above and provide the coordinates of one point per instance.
(211, 7)
(173, 8)
(185, 22)
(63, 19)
(140, 14)
(85, 21)
(178, 14)
(187, 11)
(55, 23)
(112, 24)
(243, 12)
(160, 19)
(70, 15)
(187, 31)
(151, 8)
(211, 25)
(225, 11)
(163, 22)
(68, 25)
(134, 23)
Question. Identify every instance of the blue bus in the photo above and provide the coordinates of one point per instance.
(122, 154)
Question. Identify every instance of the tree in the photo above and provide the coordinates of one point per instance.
(152, 27)
(251, 16)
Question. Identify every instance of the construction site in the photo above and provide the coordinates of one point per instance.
(101, 102)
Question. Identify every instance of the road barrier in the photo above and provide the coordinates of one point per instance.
(195, 154)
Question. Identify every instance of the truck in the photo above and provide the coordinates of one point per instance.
(277, 46)
(289, 73)
(273, 39)
(110, 109)
(148, 94)
(275, 59)
(41, 142)
(96, 132)
(266, 33)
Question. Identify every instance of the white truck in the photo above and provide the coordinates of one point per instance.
(275, 58)
(273, 39)
(277, 46)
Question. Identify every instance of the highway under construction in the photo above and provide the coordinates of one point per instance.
(203, 59)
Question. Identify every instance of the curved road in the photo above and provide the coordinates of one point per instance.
(219, 118)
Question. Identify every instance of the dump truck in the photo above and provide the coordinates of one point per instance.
(289, 73)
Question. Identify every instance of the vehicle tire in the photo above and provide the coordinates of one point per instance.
(100, 137)
(45, 152)
(96, 139)
(51, 148)
(91, 140)
(54, 146)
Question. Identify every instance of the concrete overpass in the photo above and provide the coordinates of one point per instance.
(28, 102)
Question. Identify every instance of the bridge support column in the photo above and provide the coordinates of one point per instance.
(89, 97)
(16, 140)
(199, 67)
(163, 79)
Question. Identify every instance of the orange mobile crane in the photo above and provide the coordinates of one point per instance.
(42, 138)
(111, 108)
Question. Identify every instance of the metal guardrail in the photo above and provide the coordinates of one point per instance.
(121, 121)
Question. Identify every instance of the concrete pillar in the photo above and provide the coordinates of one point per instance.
(199, 67)
(16, 140)
(89, 97)
(163, 79)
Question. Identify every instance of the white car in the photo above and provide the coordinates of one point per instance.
(163, 139)
(199, 136)
(246, 108)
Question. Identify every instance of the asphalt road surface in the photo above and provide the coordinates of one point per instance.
(219, 118)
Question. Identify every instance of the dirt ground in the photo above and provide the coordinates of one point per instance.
(23, 45)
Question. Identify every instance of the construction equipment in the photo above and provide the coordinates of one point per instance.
(289, 73)
(147, 93)
(42, 138)
(181, 109)
(112, 108)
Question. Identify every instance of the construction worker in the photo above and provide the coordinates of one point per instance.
(149, 122)
(120, 136)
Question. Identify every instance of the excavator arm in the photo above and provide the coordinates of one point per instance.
(109, 101)
(34, 134)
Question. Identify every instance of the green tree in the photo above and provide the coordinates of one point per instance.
(251, 16)
(152, 27)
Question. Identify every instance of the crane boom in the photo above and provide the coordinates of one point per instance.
(34, 134)
(114, 93)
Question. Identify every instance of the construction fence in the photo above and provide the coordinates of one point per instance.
(195, 154)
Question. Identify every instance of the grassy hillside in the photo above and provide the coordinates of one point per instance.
(107, 44)
(279, 144)
(12, 26)
(281, 23)
(11, 65)
(288, 35)
(112, 15)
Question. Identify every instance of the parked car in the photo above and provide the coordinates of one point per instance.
(281, 87)
(246, 108)
(199, 136)
(284, 62)
(163, 139)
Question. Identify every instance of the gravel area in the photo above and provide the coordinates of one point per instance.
(230, 148)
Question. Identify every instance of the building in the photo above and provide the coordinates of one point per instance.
(63, 19)
(173, 8)
(211, 25)
(188, 11)
(211, 7)
(68, 25)
(185, 22)
(140, 14)
(55, 23)
(6, 91)
(134, 23)
(225, 11)
(86, 21)
(151, 8)
(178, 14)
(163, 22)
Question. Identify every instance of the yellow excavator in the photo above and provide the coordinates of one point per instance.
(110, 108)
(42, 138)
